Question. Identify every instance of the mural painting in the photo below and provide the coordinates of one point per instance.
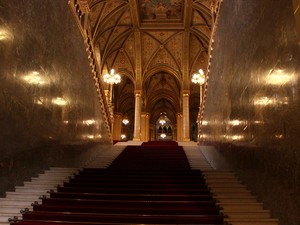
(160, 9)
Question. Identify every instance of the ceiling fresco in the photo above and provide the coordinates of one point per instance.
(157, 10)
(156, 46)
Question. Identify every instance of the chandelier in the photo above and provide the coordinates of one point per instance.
(125, 120)
(112, 78)
(162, 121)
(163, 135)
(199, 78)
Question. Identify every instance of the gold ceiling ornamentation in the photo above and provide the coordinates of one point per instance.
(144, 38)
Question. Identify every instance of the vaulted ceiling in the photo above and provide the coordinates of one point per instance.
(155, 45)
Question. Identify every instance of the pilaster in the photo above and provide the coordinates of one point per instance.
(185, 117)
(117, 126)
(179, 127)
(137, 117)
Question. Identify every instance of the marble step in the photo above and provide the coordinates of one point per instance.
(42, 186)
(53, 176)
(64, 169)
(226, 185)
(16, 202)
(264, 214)
(229, 189)
(252, 221)
(18, 195)
(31, 190)
(237, 200)
(233, 195)
(12, 209)
(241, 207)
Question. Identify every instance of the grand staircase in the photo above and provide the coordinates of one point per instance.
(155, 183)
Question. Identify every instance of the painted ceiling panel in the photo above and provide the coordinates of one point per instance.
(158, 48)
(198, 19)
(149, 47)
(129, 48)
(95, 13)
(195, 49)
(162, 36)
(111, 6)
(123, 62)
(163, 58)
(175, 47)
(156, 10)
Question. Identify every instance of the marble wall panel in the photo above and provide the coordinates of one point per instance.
(47, 92)
(253, 88)
(252, 105)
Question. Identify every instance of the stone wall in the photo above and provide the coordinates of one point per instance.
(252, 104)
(48, 97)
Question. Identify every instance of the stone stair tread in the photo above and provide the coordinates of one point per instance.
(243, 215)
(4, 219)
(253, 223)
(237, 200)
(17, 200)
(225, 185)
(33, 188)
(229, 190)
(64, 169)
(55, 175)
(11, 209)
(43, 178)
(32, 184)
(20, 195)
(252, 219)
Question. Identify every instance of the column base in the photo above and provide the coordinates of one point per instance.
(186, 139)
(136, 139)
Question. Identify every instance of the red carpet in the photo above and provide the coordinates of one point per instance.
(148, 184)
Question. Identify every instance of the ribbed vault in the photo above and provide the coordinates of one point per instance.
(156, 46)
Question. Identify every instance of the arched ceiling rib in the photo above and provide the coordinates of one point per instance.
(158, 51)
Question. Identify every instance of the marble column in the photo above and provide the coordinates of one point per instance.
(106, 93)
(185, 117)
(174, 133)
(117, 126)
(137, 117)
(152, 132)
(144, 126)
(179, 127)
(147, 127)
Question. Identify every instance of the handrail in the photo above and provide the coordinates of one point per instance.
(80, 11)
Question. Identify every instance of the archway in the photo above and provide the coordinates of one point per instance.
(163, 128)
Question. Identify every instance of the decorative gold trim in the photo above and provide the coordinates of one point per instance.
(79, 13)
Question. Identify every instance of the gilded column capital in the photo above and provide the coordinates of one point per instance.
(138, 93)
(186, 93)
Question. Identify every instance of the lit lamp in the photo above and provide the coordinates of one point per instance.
(163, 135)
(111, 78)
(162, 121)
(199, 78)
(125, 120)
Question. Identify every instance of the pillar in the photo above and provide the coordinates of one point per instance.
(117, 126)
(137, 117)
(185, 117)
(179, 127)
(144, 126)
(151, 132)
(147, 127)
